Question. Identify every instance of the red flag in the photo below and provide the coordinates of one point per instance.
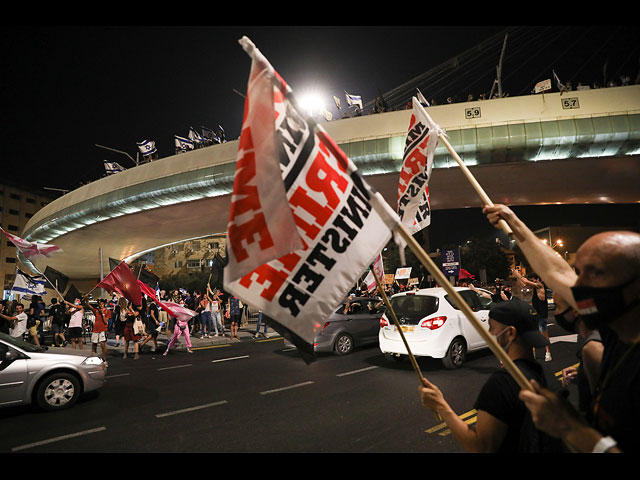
(464, 274)
(32, 249)
(121, 280)
(150, 292)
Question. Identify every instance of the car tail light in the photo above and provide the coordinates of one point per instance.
(383, 322)
(433, 323)
(326, 325)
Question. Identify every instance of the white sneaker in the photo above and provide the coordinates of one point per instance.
(547, 357)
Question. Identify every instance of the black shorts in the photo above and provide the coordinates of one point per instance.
(75, 332)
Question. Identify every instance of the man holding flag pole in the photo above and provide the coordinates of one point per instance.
(294, 183)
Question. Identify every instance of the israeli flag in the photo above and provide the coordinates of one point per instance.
(113, 167)
(28, 285)
(147, 147)
(195, 137)
(210, 135)
(183, 143)
(353, 100)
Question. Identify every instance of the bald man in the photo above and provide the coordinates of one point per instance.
(605, 289)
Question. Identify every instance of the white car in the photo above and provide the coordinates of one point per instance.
(433, 326)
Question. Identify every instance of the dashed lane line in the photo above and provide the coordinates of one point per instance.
(190, 409)
(355, 371)
(267, 392)
(175, 366)
(58, 439)
(229, 358)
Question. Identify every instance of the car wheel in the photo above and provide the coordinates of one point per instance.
(344, 344)
(58, 391)
(456, 354)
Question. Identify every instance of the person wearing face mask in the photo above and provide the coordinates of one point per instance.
(604, 289)
(504, 425)
(587, 373)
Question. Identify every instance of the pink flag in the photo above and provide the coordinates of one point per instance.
(122, 280)
(181, 313)
(378, 267)
(150, 292)
(32, 249)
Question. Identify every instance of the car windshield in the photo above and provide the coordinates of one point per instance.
(17, 342)
(410, 309)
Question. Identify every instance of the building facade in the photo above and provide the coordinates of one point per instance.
(17, 205)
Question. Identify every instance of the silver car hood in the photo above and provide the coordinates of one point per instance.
(73, 356)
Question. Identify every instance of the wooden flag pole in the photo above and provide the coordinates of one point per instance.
(517, 375)
(397, 324)
(414, 362)
(474, 183)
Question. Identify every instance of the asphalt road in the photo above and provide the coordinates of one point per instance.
(260, 396)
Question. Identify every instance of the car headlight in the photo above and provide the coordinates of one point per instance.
(92, 361)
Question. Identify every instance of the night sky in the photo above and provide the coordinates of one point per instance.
(65, 89)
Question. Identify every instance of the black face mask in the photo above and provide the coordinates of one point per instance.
(601, 305)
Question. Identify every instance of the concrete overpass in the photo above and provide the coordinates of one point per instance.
(578, 147)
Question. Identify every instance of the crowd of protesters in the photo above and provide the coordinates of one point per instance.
(117, 322)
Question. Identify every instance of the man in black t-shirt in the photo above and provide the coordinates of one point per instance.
(58, 315)
(504, 424)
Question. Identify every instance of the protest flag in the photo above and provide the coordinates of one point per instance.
(377, 269)
(31, 249)
(413, 186)
(155, 295)
(58, 280)
(26, 284)
(293, 182)
(72, 294)
(122, 281)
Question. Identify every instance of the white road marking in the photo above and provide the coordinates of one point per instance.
(177, 366)
(58, 439)
(355, 371)
(230, 358)
(191, 409)
(267, 392)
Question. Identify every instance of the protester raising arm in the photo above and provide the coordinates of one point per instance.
(554, 271)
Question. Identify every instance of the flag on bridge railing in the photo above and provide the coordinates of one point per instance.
(304, 225)
(26, 284)
(183, 143)
(113, 167)
(413, 187)
(353, 100)
(32, 249)
(147, 147)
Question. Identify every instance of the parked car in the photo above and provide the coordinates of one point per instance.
(53, 381)
(433, 326)
(345, 331)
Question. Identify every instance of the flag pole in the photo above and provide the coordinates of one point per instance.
(517, 375)
(474, 183)
(414, 362)
(465, 170)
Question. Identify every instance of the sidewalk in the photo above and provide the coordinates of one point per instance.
(245, 334)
